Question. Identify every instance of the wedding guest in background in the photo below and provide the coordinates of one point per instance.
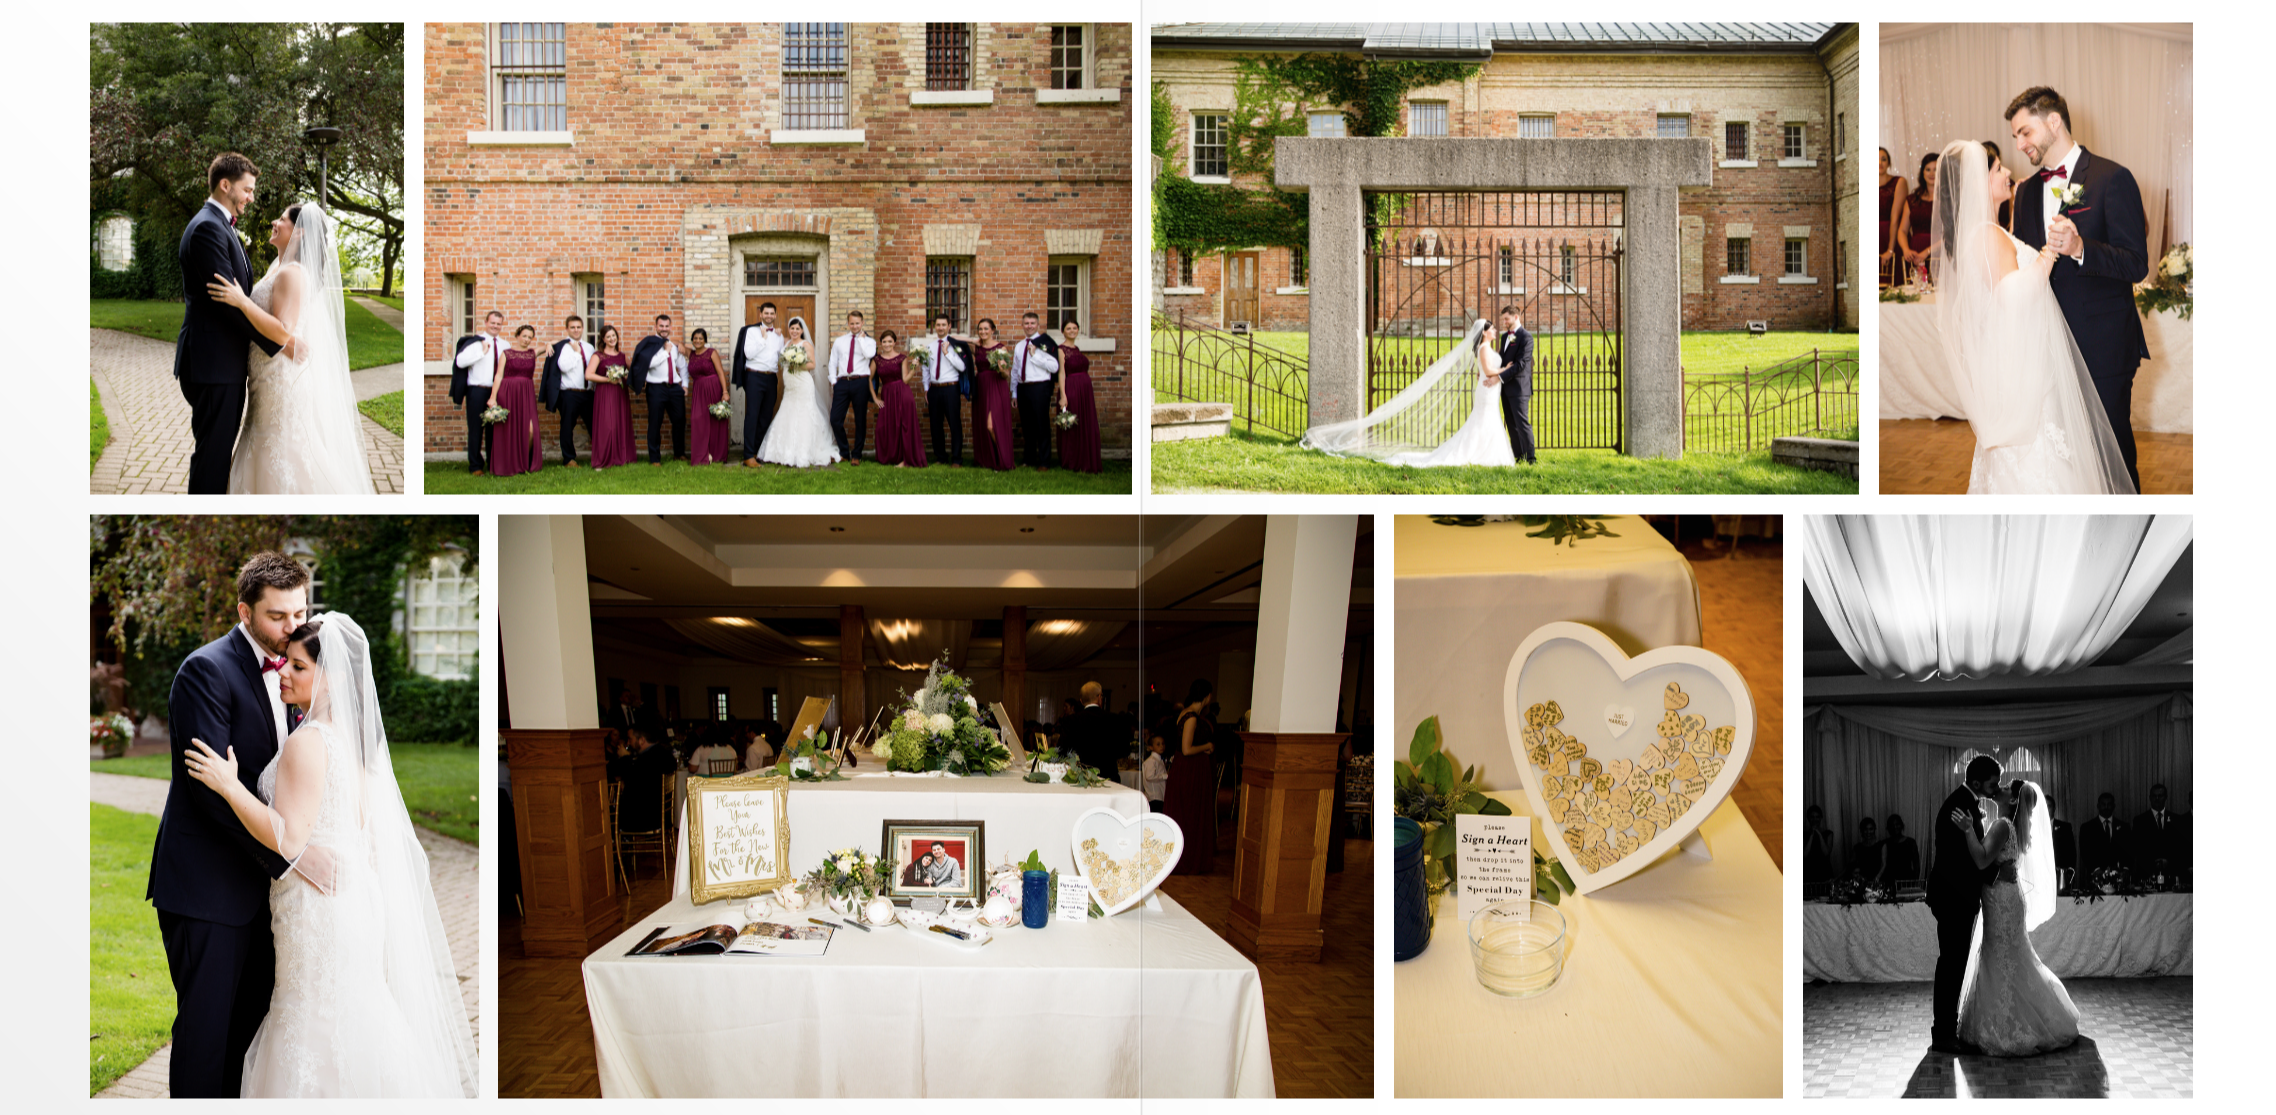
(1865, 855)
(612, 403)
(900, 438)
(564, 388)
(1900, 855)
(644, 770)
(473, 374)
(2101, 841)
(1155, 774)
(758, 754)
(991, 402)
(663, 369)
(757, 361)
(709, 382)
(946, 387)
(1919, 209)
(1893, 193)
(2066, 852)
(851, 357)
(1035, 367)
(1817, 847)
(2160, 834)
(1091, 733)
(515, 446)
(1190, 798)
(1078, 444)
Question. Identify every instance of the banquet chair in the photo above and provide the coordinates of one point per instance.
(1816, 890)
(1359, 795)
(640, 842)
(719, 766)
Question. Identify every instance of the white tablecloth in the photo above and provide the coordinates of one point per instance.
(1467, 596)
(2149, 935)
(1144, 1004)
(1671, 988)
(1021, 816)
(1915, 382)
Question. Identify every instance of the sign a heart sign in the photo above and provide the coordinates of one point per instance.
(1612, 797)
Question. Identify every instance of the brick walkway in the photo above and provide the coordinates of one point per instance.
(150, 421)
(382, 311)
(453, 866)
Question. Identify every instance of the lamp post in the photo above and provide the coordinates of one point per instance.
(323, 139)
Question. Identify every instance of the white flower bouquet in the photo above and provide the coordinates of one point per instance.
(795, 358)
(494, 414)
(1000, 362)
(721, 410)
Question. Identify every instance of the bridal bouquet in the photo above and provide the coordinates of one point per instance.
(721, 409)
(1065, 420)
(796, 359)
(494, 414)
(850, 875)
(939, 729)
(1000, 362)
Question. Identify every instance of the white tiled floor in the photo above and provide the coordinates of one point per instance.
(1863, 1040)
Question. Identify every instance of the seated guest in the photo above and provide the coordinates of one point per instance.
(1865, 855)
(1900, 855)
(2160, 834)
(2101, 841)
(758, 754)
(644, 772)
(1817, 846)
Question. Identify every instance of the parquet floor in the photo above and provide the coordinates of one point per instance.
(2137, 1040)
(1742, 618)
(1929, 456)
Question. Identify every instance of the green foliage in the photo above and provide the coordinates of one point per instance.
(371, 342)
(1371, 90)
(98, 426)
(1263, 111)
(1164, 142)
(130, 1008)
(421, 707)
(1197, 217)
(2170, 284)
(387, 410)
(1033, 862)
(1429, 791)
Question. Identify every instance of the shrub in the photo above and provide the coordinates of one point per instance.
(429, 710)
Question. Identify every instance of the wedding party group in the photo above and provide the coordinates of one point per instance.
(798, 395)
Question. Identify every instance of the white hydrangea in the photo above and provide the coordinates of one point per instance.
(971, 703)
(941, 723)
(913, 720)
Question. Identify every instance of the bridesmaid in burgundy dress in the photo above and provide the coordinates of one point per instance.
(1191, 797)
(708, 380)
(991, 403)
(514, 445)
(900, 440)
(1919, 206)
(612, 408)
(1078, 444)
(1892, 218)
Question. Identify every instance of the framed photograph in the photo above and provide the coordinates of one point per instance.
(936, 859)
(738, 835)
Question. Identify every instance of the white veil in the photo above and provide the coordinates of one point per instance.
(415, 951)
(324, 434)
(816, 372)
(1418, 419)
(2017, 370)
(2035, 857)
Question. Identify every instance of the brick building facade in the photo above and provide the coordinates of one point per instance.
(1772, 239)
(625, 170)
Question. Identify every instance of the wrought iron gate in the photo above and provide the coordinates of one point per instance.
(1436, 262)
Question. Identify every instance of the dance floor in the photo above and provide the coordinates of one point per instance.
(1930, 456)
(1865, 1040)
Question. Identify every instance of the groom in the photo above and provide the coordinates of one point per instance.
(2102, 236)
(210, 359)
(1516, 352)
(209, 878)
(1955, 896)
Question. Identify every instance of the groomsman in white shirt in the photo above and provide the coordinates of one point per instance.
(481, 356)
(1035, 367)
(564, 390)
(946, 387)
(664, 368)
(757, 363)
(850, 357)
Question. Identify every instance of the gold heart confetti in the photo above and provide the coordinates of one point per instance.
(1607, 811)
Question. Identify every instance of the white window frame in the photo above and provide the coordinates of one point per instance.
(461, 294)
(1445, 119)
(1082, 266)
(1548, 120)
(1796, 278)
(1723, 151)
(494, 132)
(1312, 125)
(592, 304)
(1296, 286)
(445, 572)
(1801, 130)
(1090, 93)
(1193, 144)
(1659, 125)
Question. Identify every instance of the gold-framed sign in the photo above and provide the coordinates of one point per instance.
(810, 714)
(1008, 729)
(738, 835)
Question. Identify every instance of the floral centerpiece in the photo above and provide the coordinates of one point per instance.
(721, 409)
(2169, 290)
(809, 760)
(111, 732)
(849, 877)
(938, 728)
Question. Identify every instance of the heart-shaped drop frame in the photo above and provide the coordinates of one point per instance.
(1686, 680)
(1102, 825)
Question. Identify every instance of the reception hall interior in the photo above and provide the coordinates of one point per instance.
(653, 663)
(2129, 88)
(2061, 649)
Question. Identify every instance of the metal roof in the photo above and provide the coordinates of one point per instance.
(1478, 40)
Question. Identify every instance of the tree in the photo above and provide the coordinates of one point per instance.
(357, 86)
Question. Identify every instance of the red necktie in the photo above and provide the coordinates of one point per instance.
(268, 664)
(2055, 172)
(851, 341)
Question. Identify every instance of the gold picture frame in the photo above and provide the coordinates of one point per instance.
(739, 826)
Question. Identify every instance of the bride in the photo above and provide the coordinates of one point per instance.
(2039, 425)
(800, 436)
(2011, 1005)
(366, 1001)
(302, 434)
(1450, 415)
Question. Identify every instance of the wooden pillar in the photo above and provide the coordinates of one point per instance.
(1288, 791)
(853, 709)
(569, 899)
(1015, 667)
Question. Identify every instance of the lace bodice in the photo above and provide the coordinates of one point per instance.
(264, 295)
(338, 818)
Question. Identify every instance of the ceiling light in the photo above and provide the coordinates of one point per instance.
(731, 621)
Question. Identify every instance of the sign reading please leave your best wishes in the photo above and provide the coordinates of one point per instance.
(1493, 860)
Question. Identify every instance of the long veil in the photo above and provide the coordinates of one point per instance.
(416, 953)
(329, 449)
(2016, 368)
(1418, 419)
(2035, 858)
(816, 371)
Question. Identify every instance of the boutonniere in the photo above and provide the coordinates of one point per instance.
(2067, 196)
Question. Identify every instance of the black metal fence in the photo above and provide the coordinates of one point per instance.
(1812, 393)
(1268, 387)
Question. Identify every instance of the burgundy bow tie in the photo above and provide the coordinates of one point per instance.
(2055, 172)
(268, 664)
(233, 222)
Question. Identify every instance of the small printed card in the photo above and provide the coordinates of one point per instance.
(1074, 898)
(1493, 860)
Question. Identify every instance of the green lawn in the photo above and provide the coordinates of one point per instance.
(438, 781)
(681, 478)
(98, 426)
(1703, 353)
(371, 342)
(1267, 464)
(130, 1009)
(391, 301)
(387, 410)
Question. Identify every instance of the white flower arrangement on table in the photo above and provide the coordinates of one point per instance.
(938, 728)
(795, 358)
(850, 875)
(721, 409)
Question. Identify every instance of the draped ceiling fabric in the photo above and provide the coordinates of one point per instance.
(746, 640)
(1917, 597)
(1063, 644)
(915, 644)
(2129, 85)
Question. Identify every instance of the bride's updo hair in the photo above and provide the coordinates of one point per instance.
(292, 213)
(304, 636)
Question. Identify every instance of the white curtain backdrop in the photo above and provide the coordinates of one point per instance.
(2128, 84)
(1922, 596)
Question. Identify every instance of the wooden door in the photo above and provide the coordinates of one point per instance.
(1241, 286)
(786, 306)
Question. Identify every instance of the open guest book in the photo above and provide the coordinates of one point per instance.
(760, 938)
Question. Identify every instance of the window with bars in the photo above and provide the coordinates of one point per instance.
(948, 56)
(1325, 125)
(1184, 267)
(1674, 126)
(1426, 118)
(1793, 141)
(1737, 256)
(1797, 256)
(462, 302)
(814, 72)
(1070, 56)
(1065, 296)
(1209, 145)
(592, 299)
(1299, 268)
(774, 272)
(529, 77)
(1734, 140)
(948, 290)
(444, 619)
(1536, 127)
(1568, 265)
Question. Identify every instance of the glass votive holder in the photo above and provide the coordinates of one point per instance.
(1514, 954)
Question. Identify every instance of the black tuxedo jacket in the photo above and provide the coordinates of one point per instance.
(2152, 843)
(205, 865)
(1517, 359)
(963, 352)
(736, 372)
(549, 391)
(637, 378)
(2097, 297)
(1090, 734)
(211, 347)
(2097, 849)
(458, 374)
(1954, 881)
(1042, 341)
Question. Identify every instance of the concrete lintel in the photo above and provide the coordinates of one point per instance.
(1457, 163)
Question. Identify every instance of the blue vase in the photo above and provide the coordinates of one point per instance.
(1410, 892)
(1035, 899)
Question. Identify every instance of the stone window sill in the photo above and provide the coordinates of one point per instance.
(1212, 180)
(1841, 286)
(840, 137)
(1183, 290)
(521, 139)
(1797, 280)
(923, 98)
(1729, 163)
(1843, 157)
(1561, 288)
(1078, 96)
(1730, 280)
(1094, 344)
(1798, 162)
(1292, 290)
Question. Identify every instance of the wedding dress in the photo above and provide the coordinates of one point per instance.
(302, 434)
(2039, 425)
(366, 1001)
(800, 435)
(1450, 415)
(2010, 1004)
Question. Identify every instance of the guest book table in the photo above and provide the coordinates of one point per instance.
(2146, 935)
(1916, 381)
(1671, 988)
(1467, 596)
(1149, 1003)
